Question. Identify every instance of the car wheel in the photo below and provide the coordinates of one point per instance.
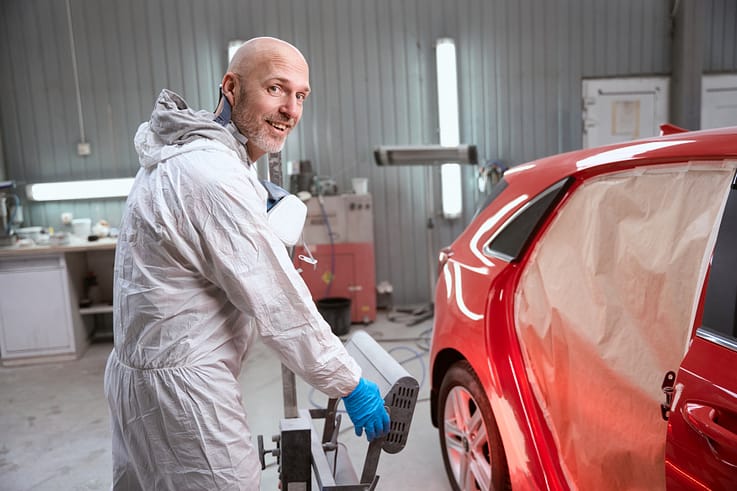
(472, 449)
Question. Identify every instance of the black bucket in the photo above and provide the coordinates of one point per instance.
(337, 312)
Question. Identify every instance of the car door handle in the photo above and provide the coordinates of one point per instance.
(703, 419)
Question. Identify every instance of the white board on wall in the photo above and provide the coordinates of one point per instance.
(718, 101)
(623, 109)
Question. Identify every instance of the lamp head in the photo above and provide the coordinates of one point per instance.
(425, 155)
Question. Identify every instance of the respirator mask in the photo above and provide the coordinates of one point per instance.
(285, 213)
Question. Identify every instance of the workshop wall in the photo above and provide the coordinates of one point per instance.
(372, 72)
(720, 32)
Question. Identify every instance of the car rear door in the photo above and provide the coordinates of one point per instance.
(701, 451)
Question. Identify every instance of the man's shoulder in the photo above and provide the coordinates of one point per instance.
(206, 145)
(206, 161)
(201, 153)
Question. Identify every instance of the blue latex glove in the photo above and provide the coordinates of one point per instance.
(365, 407)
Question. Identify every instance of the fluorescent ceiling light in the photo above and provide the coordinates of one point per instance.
(99, 188)
(451, 190)
(445, 52)
(233, 47)
(447, 78)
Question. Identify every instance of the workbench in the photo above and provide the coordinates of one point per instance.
(41, 287)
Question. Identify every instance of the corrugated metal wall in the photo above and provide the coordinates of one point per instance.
(372, 71)
(720, 50)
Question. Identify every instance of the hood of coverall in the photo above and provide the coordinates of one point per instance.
(174, 123)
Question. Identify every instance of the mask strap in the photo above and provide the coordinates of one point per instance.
(224, 117)
(308, 259)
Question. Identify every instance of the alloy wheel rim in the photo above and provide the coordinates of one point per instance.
(466, 441)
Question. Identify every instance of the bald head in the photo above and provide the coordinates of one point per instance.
(266, 85)
(257, 50)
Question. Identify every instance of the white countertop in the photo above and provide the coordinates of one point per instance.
(74, 245)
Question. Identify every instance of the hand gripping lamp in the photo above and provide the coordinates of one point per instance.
(303, 455)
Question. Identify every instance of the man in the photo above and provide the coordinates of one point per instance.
(199, 274)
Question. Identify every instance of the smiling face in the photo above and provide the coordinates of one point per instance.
(269, 84)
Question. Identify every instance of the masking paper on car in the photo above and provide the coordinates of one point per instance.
(605, 308)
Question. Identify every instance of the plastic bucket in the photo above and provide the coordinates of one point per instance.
(337, 312)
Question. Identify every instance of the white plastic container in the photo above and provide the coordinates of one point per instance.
(360, 185)
(33, 233)
(82, 227)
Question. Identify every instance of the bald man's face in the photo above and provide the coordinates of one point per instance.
(270, 100)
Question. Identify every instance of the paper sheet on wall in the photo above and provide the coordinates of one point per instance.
(626, 118)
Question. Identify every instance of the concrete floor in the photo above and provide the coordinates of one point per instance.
(54, 425)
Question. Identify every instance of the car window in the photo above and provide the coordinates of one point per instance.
(720, 303)
(510, 241)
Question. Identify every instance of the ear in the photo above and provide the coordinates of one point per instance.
(230, 86)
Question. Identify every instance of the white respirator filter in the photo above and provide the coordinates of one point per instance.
(286, 215)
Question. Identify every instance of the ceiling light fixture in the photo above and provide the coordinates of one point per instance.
(233, 47)
(450, 172)
(68, 190)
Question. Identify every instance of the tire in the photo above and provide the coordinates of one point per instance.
(469, 437)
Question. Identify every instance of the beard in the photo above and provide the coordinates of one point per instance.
(256, 128)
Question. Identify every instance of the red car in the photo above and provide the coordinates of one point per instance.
(585, 331)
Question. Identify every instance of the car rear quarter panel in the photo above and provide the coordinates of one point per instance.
(474, 321)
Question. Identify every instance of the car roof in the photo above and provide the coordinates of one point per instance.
(714, 144)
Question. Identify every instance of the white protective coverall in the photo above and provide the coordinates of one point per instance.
(198, 274)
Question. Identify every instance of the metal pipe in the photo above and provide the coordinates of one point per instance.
(289, 382)
(75, 71)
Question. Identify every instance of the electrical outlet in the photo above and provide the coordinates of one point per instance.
(83, 149)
